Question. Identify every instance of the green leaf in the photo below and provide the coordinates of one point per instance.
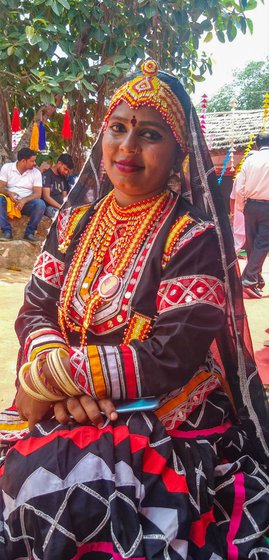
(206, 25)
(68, 87)
(221, 36)
(29, 32)
(41, 20)
(231, 32)
(88, 86)
(150, 10)
(35, 39)
(44, 45)
(55, 7)
(242, 24)
(10, 50)
(251, 5)
(47, 98)
(105, 69)
(250, 25)
(208, 37)
(198, 78)
(65, 4)
(98, 35)
(80, 75)
(181, 17)
(36, 72)
(119, 58)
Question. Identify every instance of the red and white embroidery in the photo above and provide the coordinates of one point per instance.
(79, 370)
(49, 269)
(175, 417)
(188, 290)
(62, 220)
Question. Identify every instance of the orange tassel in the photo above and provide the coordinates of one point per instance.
(34, 137)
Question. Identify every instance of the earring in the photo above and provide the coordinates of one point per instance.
(174, 182)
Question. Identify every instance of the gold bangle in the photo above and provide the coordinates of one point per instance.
(46, 391)
(60, 374)
(22, 373)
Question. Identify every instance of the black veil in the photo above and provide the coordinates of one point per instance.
(233, 347)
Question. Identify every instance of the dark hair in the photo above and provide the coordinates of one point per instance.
(67, 160)
(262, 139)
(25, 153)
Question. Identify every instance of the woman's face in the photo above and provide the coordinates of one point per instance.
(139, 151)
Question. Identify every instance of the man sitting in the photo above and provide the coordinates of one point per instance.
(22, 183)
(55, 186)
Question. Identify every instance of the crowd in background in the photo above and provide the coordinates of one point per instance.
(32, 191)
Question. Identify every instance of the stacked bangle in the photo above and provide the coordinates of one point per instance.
(42, 389)
(59, 373)
(25, 369)
(41, 383)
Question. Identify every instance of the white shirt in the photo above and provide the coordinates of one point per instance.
(18, 183)
(253, 179)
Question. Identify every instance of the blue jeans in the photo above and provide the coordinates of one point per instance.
(35, 209)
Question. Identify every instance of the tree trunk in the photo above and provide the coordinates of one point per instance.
(5, 130)
(77, 143)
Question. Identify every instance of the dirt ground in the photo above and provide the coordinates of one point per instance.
(12, 283)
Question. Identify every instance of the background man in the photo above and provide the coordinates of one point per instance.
(22, 183)
(55, 186)
(253, 198)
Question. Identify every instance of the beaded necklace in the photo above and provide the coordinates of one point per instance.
(138, 219)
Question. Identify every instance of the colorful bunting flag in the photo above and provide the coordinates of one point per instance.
(203, 112)
(34, 137)
(42, 136)
(66, 129)
(233, 104)
(265, 111)
(225, 163)
(248, 148)
(16, 121)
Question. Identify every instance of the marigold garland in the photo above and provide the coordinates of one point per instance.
(248, 148)
(265, 111)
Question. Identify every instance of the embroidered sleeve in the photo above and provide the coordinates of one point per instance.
(101, 371)
(190, 290)
(177, 346)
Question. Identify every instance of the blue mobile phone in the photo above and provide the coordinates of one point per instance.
(150, 403)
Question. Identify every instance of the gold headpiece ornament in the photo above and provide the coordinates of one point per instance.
(148, 90)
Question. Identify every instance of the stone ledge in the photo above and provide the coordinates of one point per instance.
(19, 253)
(19, 224)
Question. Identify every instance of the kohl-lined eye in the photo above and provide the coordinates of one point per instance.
(117, 127)
(151, 135)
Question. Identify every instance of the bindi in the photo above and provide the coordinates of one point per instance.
(134, 121)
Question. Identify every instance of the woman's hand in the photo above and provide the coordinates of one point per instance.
(84, 408)
(31, 409)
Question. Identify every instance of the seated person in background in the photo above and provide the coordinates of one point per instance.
(44, 166)
(22, 183)
(71, 180)
(55, 185)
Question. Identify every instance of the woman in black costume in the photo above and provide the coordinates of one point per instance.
(137, 295)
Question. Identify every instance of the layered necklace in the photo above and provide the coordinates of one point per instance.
(137, 221)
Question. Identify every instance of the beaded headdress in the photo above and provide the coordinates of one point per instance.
(149, 91)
